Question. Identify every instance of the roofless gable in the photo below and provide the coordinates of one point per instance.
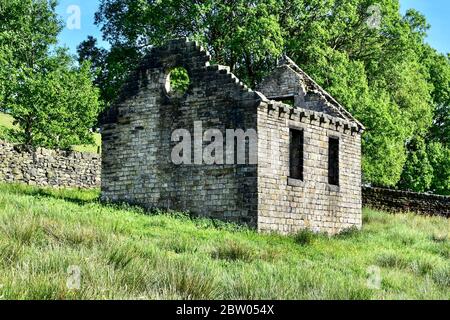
(289, 83)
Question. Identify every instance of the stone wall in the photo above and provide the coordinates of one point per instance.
(287, 205)
(49, 167)
(404, 201)
(137, 165)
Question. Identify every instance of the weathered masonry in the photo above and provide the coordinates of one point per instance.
(48, 168)
(308, 170)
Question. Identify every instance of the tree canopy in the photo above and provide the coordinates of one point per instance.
(52, 99)
(372, 58)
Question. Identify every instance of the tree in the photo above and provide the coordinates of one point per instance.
(89, 51)
(384, 73)
(56, 108)
(418, 172)
(108, 68)
(439, 77)
(440, 130)
(52, 101)
(439, 157)
(3, 77)
(245, 36)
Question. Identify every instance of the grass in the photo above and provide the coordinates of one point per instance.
(6, 120)
(91, 148)
(6, 124)
(123, 253)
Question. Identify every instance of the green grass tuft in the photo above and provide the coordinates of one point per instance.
(233, 251)
(304, 237)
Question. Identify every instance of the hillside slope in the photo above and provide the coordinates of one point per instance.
(122, 254)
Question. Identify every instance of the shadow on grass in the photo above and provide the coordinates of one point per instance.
(92, 196)
(77, 196)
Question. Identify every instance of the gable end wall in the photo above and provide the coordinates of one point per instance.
(137, 146)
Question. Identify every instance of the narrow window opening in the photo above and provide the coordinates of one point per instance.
(333, 161)
(296, 154)
(286, 100)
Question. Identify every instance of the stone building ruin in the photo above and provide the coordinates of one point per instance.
(308, 168)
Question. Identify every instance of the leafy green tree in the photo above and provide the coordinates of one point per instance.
(383, 142)
(440, 130)
(55, 108)
(439, 157)
(3, 77)
(439, 77)
(89, 51)
(384, 73)
(418, 172)
(109, 68)
(245, 36)
(52, 101)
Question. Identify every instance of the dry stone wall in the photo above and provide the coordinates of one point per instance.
(53, 168)
(404, 201)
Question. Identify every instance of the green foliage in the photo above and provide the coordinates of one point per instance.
(304, 237)
(125, 254)
(439, 158)
(394, 83)
(52, 101)
(440, 131)
(56, 109)
(3, 76)
(439, 67)
(427, 168)
(9, 135)
(179, 80)
(418, 172)
(101, 68)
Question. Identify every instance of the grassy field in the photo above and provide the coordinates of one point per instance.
(125, 254)
(6, 122)
(90, 148)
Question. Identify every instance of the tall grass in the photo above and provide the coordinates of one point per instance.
(123, 253)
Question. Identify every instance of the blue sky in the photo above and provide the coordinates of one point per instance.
(436, 11)
(71, 38)
(437, 14)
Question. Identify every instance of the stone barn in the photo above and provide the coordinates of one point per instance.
(285, 157)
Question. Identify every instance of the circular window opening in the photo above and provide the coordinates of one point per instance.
(177, 81)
